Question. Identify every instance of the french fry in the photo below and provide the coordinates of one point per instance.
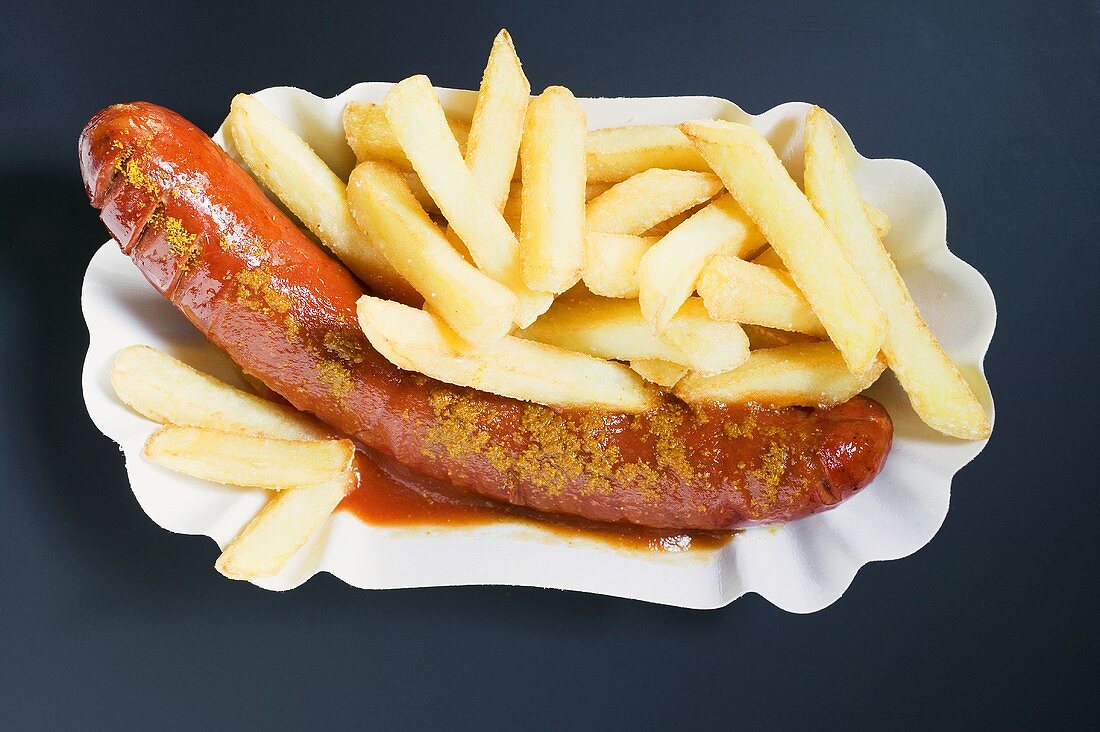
(261, 462)
(938, 392)
(475, 306)
(163, 389)
(370, 137)
(281, 528)
(761, 337)
(611, 263)
(805, 375)
(513, 367)
(669, 270)
(756, 177)
(492, 149)
(879, 221)
(513, 207)
(552, 219)
(497, 126)
(418, 123)
(615, 329)
(648, 198)
(769, 257)
(284, 163)
(661, 373)
(733, 289)
(616, 153)
(712, 345)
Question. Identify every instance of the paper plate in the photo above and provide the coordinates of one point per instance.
(801, 566)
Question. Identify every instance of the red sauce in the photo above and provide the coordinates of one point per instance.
(391, 495)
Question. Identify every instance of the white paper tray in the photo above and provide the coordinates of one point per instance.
(802, 566)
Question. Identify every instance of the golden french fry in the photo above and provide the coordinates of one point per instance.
(495, 132)
(611, 263)
(713, 346)
(616, 153)
(733, 289)
(879, 220)
(615, 329)
(284, 163)
(661, 373)
(761, 337)
(474, 305)
(648, 198)
(769, 258)
(756, 177)
(805, 375)
(513, 207)
(513, 367)
(669, 270)
(247, 460)
(281, 528)
(938, 392)
(370, 137)
(418, 122)
(492, 148)
(552, 220)
(163, 389)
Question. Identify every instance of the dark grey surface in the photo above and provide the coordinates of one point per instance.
(107, 621)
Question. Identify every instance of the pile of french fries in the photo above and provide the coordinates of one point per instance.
(589, 268)
(219, 433)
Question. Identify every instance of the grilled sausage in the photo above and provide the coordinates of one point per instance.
(203, 233)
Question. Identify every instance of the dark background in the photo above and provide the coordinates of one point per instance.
(108, 621)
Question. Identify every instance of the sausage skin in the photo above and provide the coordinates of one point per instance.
(206, 237)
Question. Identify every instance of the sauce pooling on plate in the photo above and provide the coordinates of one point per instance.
(390, 495)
